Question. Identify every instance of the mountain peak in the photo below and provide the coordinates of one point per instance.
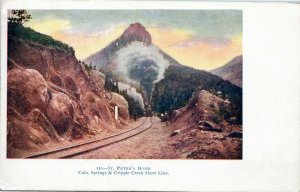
(137, 32)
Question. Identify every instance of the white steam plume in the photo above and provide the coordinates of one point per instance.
(140, 52)
(131, 91)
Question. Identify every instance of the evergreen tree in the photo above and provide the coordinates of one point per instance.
(19, 17)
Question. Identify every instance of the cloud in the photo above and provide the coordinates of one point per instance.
(206, 54)
(49, 26)
(198, 52)
(86, 44)
(96, 31)
(83, 41)
(213, 41)
(166, 37)
(183, 44)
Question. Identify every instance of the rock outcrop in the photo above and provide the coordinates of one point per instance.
(51, 98)
(204, 131)
(204, 104)
(136, 32)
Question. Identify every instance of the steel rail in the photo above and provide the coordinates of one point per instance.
(94, 141)
(107, 144)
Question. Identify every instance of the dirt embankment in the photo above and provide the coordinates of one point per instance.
(51, 98)
(201, 130)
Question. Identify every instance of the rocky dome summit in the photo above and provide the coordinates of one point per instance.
(137, 32)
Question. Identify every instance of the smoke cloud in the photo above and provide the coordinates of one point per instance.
(140, 66)
(131, 91)
(137, 52)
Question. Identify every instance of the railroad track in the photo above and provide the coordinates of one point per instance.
(79, 149)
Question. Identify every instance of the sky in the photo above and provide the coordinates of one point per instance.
(203, 39)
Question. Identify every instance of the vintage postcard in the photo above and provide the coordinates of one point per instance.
(125, 92)
(161, 82)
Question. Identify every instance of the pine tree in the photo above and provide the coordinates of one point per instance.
(19, 17)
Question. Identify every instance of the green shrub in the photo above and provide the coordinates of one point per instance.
(29, 34)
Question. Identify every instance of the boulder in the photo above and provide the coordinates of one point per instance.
(205, 98)
(177, 113)
(121, 102)
(209, 126)
(27, 89)
(60, 112)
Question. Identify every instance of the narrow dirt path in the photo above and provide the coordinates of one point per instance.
(151, 144)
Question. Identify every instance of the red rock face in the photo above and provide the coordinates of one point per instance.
(137, 32)
(51, 98)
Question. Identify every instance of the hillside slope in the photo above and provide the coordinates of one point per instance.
(204, 130)
(180, 82)
(232, 71)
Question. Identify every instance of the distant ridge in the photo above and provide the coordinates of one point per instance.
(232, 71)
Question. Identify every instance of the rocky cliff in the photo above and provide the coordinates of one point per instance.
(51, 98)
(136, 32)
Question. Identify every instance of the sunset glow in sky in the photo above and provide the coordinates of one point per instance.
(203, 39)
